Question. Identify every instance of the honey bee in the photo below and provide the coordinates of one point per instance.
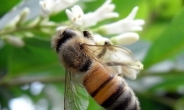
(98, 69)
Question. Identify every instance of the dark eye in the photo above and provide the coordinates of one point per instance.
(64, 37)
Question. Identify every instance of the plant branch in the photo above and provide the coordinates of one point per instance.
(28, 80)
(10, 31)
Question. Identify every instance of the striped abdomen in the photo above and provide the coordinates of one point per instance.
(109, 90)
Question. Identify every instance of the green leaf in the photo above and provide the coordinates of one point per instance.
(166, 8)
(3, 60)
(124, 7)
(149, 103)
(6, 5)
(5, 95)
(168, 44)
(36, 57)
(93, 105)
(180, 104)
(170, 82)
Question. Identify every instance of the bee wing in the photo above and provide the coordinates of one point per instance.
(122, 61)
(75, 96)
(118, 58)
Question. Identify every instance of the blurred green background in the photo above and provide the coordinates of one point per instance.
(32, 74)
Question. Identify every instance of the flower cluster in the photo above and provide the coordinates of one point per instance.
(123, 31)
(55, 6)
(41, 23)
(13, 24)
(78, 18)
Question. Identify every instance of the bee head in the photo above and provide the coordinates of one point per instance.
(62, 37)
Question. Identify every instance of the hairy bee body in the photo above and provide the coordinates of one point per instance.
(107, 88)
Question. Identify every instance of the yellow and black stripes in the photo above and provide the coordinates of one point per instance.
(109, 90)
(114, 96)
(125, 101)
(102, 86)
(96, 77)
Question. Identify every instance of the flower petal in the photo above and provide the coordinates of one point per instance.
(132, 14)
(125, 25)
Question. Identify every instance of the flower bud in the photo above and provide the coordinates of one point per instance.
(125, 39)
(15, 41)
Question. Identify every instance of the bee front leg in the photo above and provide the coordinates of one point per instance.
(102, 53)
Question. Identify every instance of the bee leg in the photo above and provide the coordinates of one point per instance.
(102, 53)
(113, 64)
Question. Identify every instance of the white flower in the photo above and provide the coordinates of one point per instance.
(104, 12)
(99, 40)
(19, 18)
(16, 41)
(34, 22)
(130, 66)
(60, 28)
(41, 22)
(124, 25)
(54, 6)
(132, 71)
(125, 38)
(46, 22)
(77, 16)
(49, 7)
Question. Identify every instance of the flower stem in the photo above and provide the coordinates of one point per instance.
(28, 28)
(28, 80)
